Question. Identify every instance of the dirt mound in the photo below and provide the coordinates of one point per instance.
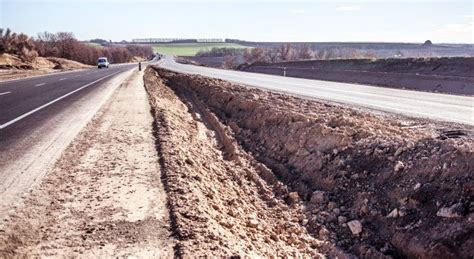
(12, 67)
(63, 64)
(219, 203)
(8, 61)
(374, 186)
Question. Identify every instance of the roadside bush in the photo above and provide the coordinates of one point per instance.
(219, 52)
(65, 45)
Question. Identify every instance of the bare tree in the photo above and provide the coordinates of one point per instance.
(304, 52)
(284, 51)
(229, 61)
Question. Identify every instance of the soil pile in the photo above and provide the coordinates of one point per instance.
(223, 202)
(373, 185)
(12, 67)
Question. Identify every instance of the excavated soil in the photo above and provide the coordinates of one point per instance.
(251, 172)
(12, 67)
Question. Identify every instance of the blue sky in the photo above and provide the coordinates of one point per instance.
(447, 21)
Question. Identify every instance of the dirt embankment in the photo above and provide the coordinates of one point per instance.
(220, 205)
(250, 171)
(12, 67)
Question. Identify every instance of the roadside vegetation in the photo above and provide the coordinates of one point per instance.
(232, 57)
(65, 45)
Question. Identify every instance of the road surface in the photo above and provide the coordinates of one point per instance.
(435, 106)
(40, 116)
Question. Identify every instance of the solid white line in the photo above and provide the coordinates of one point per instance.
(53, 101)
(4, 93)
(40, 84)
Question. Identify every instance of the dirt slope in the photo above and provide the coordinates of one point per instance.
(104, 197)
(372, 185)
(219, 203)
(12, 67)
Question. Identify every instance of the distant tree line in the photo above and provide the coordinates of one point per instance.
(65, 45)
(282, 53)
(219, 52)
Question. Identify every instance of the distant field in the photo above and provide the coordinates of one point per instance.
(190, 49)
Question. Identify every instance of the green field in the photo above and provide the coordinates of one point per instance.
(190, 49)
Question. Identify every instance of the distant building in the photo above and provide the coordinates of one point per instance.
(171, 40)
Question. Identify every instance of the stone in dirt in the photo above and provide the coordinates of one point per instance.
(399, 166)
(450, 212)
(317, 197)
(355, 226)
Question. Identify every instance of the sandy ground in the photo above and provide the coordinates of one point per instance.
(104, 196)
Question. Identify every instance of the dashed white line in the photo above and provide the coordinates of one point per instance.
(62, 79)
(40, 84)
(4, 93)
(53, 101)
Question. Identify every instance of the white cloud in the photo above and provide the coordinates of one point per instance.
(349, 8)
(297, 11)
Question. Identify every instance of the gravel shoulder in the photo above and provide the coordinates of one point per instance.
(104, 196)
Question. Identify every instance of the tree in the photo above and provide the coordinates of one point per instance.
(304, 52)
(229, 61)
(284, 51)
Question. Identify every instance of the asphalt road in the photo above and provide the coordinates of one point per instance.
(20, 99)
(443, 107)
(40, 116)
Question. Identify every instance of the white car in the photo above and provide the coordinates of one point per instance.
(102, 62)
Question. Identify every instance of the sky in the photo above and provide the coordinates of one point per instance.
(441, 21)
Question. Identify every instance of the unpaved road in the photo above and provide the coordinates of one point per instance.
(104, 196)
(441, 107)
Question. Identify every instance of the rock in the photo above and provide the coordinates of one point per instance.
(294, 197)
(332, 205)
(399, 166)
(417, 186)
(393, 214)
(450, 212)
(355, 226)
(398, 151)
(252, 222)
(304, 222)
(341, 219)
(317, 197)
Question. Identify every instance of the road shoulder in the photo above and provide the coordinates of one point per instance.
(104, 196)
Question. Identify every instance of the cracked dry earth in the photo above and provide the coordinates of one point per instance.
(104, 197)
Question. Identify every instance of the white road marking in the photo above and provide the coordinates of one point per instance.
(62, 79)
(53, 101)
(40, 84)
(4, 93)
